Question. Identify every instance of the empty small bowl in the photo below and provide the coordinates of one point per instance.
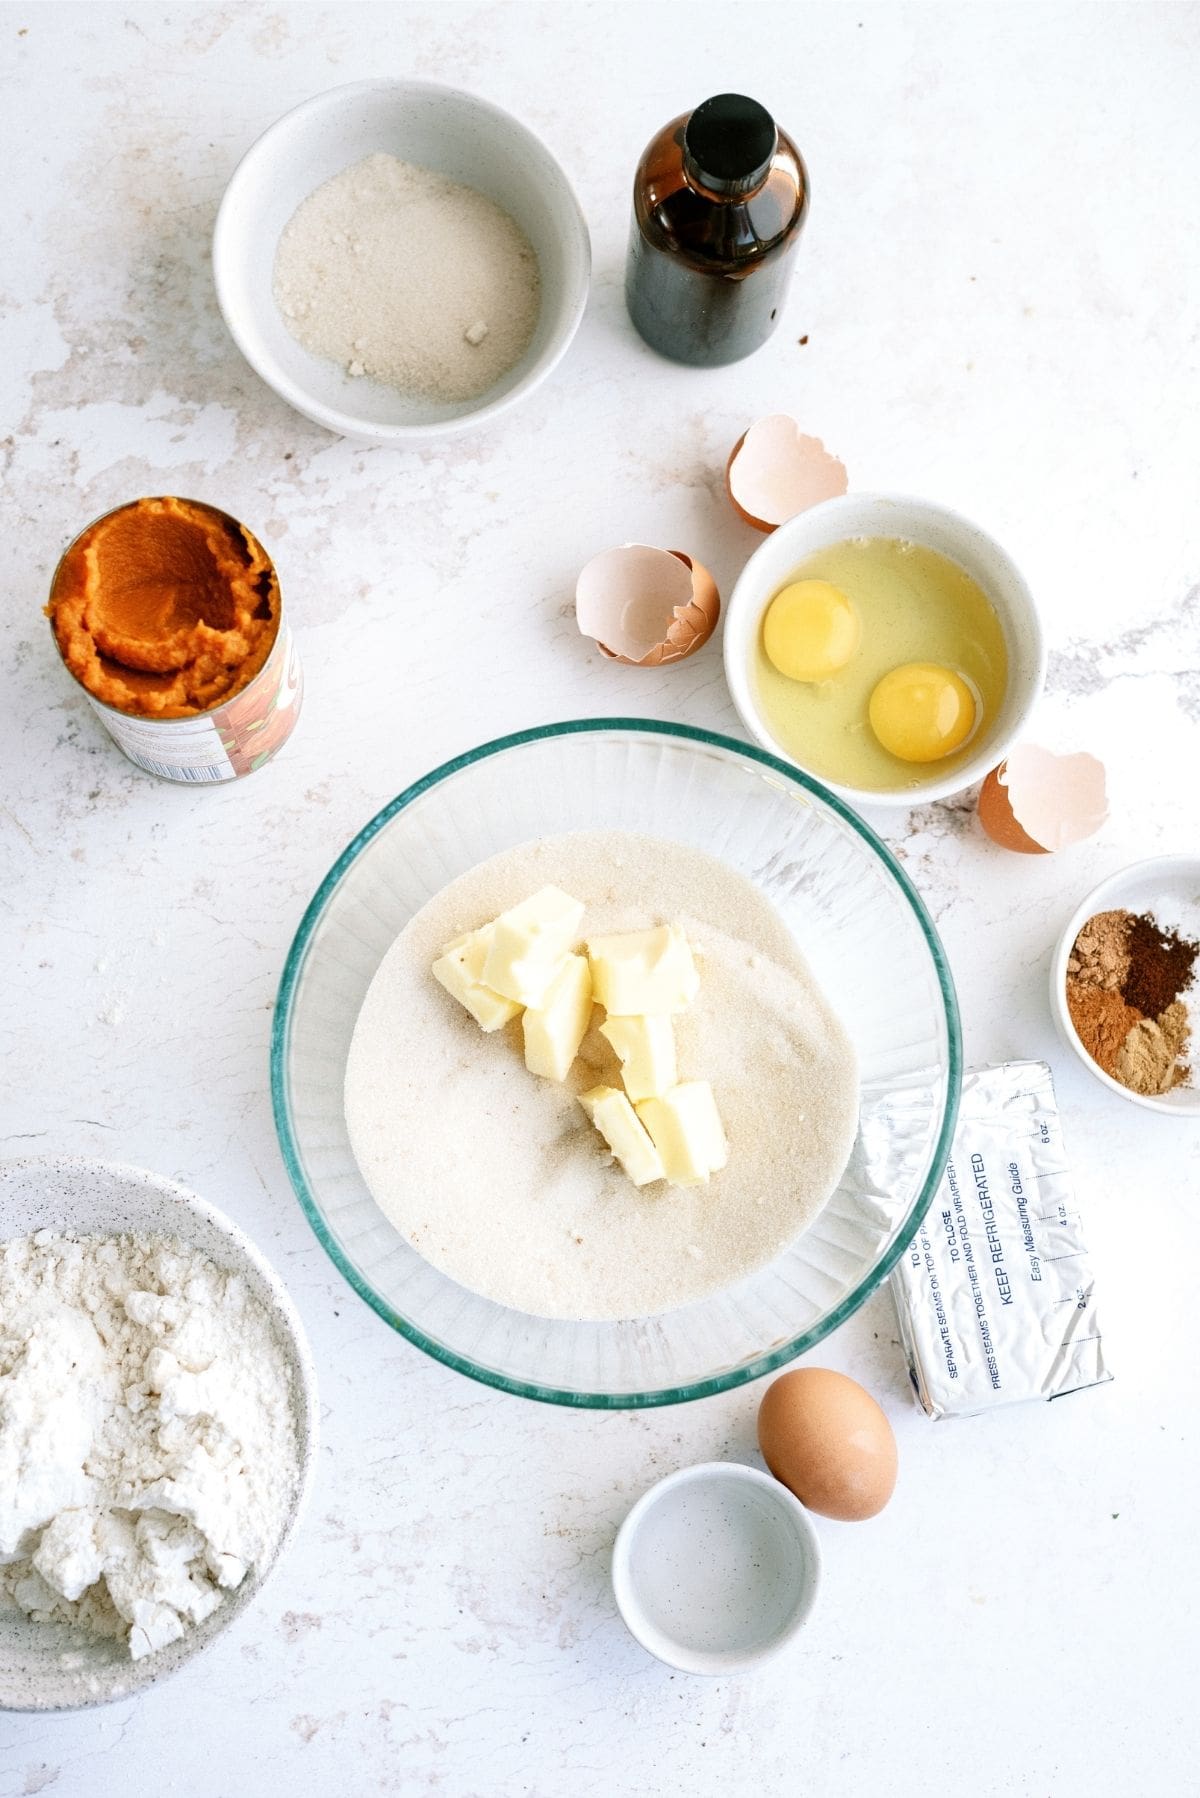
(50, 1666)
(458, 134)
(1168, 887)
(936, 528)
(716, 1568)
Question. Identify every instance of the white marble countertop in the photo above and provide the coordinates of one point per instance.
(994, 306)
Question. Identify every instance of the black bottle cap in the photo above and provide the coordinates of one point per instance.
(728, 143)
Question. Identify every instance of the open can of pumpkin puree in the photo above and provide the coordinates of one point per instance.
(168, 613)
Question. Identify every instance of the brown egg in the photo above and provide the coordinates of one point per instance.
(1037, 802)
(829, 1442)
(757, 524)
(998, 818)
(775, 471)
(645, 606)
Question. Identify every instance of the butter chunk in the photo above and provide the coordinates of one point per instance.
(529, 944)
(646, 1047)
(459, 968)
(643, 971)
(555, 1028)
(685, 1128)
(617, 1122)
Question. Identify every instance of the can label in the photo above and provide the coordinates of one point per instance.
(232, 740)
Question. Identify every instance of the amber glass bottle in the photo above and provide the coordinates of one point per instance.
(718, 201)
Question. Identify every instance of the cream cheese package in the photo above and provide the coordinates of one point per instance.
(995, 1295)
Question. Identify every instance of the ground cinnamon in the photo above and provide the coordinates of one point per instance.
(1102, 1021)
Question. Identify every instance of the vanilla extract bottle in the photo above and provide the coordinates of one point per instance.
(719, 199)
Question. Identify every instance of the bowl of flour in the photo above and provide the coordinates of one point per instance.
(401, 261)
(158, 1419)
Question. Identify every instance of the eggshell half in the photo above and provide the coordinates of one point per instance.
(1037, 802)
(828, 1441)
(645, 606)
(775, 471)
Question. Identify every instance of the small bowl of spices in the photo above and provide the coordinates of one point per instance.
(1125, 984)
(400, 261)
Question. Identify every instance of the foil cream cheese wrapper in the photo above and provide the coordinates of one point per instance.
(994, 1295)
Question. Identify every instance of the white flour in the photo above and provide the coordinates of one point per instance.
(498, 1178)
(148, 1455)
(399, 273)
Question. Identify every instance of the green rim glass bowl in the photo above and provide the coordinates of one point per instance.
(856, 917)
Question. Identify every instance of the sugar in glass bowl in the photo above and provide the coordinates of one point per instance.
(856, 917)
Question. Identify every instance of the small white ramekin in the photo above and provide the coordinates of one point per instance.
(716, 1568)
(460, 135)
(1168, 887)
(917, 521)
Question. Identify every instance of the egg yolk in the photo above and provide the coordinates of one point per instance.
(811, 630)
(921, 712)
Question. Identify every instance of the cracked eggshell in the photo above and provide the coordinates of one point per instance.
(645, 606)
(775, 471)
(1037, 802)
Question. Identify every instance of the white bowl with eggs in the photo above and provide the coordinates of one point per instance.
(893, 516)
(469, 139)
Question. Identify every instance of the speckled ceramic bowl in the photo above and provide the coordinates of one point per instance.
(50, 1667)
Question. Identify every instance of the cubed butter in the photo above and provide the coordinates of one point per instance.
(555, 1028)
(646, 1047)
(529, 943)
(685, 1128)
(460, 967)
(617, 1122)
(643, 971)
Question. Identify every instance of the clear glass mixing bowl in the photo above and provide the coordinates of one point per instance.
(853, 912)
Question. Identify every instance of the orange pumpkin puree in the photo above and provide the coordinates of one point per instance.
(165, 608)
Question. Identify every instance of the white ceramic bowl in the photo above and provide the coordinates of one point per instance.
(1169, 889)
(467, 138)
(716, 1568)
(49, 1667)
(918, 521)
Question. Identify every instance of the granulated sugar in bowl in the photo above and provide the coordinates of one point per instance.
(403, 276)
(463, 166)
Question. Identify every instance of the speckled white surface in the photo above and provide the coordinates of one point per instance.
(997, 285)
